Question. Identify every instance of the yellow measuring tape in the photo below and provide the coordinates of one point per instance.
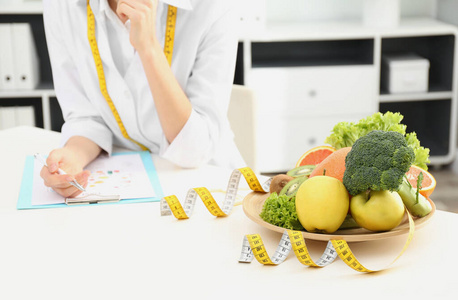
(252, 245)
(170, 32)
(171, 204)
(168, 51)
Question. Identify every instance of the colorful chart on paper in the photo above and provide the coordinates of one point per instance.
(123, 175)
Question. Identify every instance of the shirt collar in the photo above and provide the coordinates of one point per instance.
(103, 6)
(183, 4)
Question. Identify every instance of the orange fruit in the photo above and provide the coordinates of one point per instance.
(315, 155)
(428, 184)
(334, 164)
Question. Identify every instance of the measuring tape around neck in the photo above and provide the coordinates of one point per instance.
(168, 51)
(252, 245)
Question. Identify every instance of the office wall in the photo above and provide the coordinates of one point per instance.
(311, 10)
(447, 11)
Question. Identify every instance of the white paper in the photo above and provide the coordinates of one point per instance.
(123, 175)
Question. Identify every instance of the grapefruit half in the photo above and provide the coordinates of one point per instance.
(428, 184)
(315, 155)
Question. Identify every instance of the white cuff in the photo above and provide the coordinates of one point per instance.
(192, 147)
(91, 129)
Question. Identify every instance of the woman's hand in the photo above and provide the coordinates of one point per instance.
(72, 158)
(142, 16)
(66, 160)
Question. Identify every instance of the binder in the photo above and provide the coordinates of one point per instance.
(25, 116)
(7, 117)
(7, 76)
(25, 57)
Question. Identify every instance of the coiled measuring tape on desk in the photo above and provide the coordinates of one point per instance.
(171, 204)
(252, 245)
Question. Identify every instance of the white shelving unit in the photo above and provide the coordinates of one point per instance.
(309, 75)
(21, 7)
(41, 94)
(295, 63)
(30, 11)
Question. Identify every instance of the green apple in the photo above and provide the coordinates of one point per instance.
(377, 210)
(322, 204)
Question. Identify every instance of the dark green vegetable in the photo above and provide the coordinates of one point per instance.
(280, 210)
(349, 223)
(377, 161)
(415, 202)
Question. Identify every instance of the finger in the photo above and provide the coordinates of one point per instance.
(138, 3)
(75, 193)
(134, 10)
(53, 160)
(59, 181)
(69, 192)
(125, 11)
(82, 178)
(55, 180)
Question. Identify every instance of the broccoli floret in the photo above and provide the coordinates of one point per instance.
(377, 161)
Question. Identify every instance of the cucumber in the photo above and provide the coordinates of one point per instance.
(419, 208)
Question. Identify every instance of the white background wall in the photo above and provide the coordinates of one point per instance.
(447, 11)
(310, 10)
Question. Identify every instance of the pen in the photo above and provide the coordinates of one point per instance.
(59, 171)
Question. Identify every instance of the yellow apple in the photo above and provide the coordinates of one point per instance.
(322, 204)
(377, 210)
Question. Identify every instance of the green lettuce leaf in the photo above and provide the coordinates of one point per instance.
(344, 134)
(280, 210)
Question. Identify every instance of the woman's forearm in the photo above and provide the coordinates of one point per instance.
(84, 149)
(173, 106)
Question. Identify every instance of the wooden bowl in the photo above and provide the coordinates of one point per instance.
(253, 203)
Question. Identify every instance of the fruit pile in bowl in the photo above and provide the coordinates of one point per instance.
(369, 175)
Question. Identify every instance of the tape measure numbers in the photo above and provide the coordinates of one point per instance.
(168, 51)
(252, 245)
(171, 204)
(170, 33)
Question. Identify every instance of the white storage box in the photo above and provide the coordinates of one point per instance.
(405, 73)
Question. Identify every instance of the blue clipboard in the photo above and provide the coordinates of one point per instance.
(25, 193)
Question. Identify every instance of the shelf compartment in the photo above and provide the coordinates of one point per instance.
(34, 102)
(439, 50)
(38, 31)
(312, 53)
(430, 119)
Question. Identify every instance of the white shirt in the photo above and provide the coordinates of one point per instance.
(203, 62)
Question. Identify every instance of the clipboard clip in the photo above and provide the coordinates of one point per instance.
(92, 199)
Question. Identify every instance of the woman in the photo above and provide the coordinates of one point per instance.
(137, 100)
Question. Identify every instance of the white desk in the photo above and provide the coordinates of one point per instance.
(127, 251)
